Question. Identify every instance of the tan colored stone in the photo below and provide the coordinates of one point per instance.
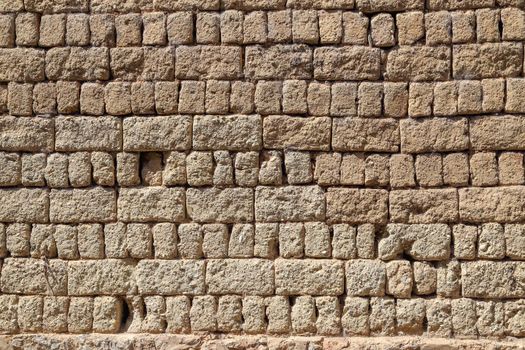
(240, 276)
(96, 204)
(424, 206)
(278, 62)
(227, 205)
(434, 135)
(346, 63)
(361, 134)
(356, 205)
(500, 204)
(296, 133)
(151, 204)
(418, 64)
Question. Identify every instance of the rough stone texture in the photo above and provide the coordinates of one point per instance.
(262, 174)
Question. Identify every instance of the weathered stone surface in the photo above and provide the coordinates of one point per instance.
(208, 62)
(418, 63)
(389, 5)
(96, 204)
(76, 63)
(100, 277)
(31, 276)
(347, 63)
(500, 204)
(88, 133)
(434, 135)
(278, 62)
(22, 65)
(234, 133)
(55, 6)
(357, 205)
(296, 133)
(365, 277)
(226, 205)
(362, 134)
(493, 279)
(163, 133)
(309, 277)
(497, 133)
(290, 203)
(24, 205)
(240, 276)
(170, 277)
(424, 206)
(26, 134)
(151, 204)
(489, 60)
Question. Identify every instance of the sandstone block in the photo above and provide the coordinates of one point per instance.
(226, 205)
(170, 277)
(235, 132)
(240, 276)
(208, 62)
(362, 134)
(492, 279)
(29, 276)
(278, 62)
(291, 203)
(76, 63)
(424, 206)
(21, 64)
(497, 133)
(296, 132)
(151, 204)
(347, 63)
(501, 204)
(418, 63)
(434, 135)
(489, 60)
(164, 133)
(357, 205)
(26, 134)
(310, 277)
(8, 318)
(389, 5)
(96, 204)
(24, 205)
(100, 277)
(88, 133)
(365, 277)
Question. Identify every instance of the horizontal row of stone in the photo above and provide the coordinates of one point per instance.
(419, 242)
(407, 63)
(264, 204)
(251, 133)
(476, 279)
(101, 6)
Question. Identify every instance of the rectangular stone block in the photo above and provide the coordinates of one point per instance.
(232, 132)
(170, 277)
(56, 6)
(77, 63)
(101, 277)
(424, 206)
(489, 60)
(163, 133)
(365, 277)
(497, 133)
(95, 204)
(434, 135)
(389, 5)
(364, 134)
(22, 64)
(151, 204)
(289, 203)
(187, 5)
(309, 277)
(26, 134)
(88, 133)
(278, 62)
(500, 204)
(208, 62)
(24, 205)
(347, 63)
(418, 63)
(240, 276)
(493, 279)
(228, 205)
(352, 205)
(32, 276)
(296, 133)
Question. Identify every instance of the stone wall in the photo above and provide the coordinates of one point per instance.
(258, 168)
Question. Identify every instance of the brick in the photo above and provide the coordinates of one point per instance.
(331, 63)
(296, 133)
(29, 276)
(311, 277)
(24, 205)
(235, 132)
(163, 133)
(240, 276)
(434, 135)
(82, 205)
(424, 206)
(356, 205)
(20, 64)
(214, 62)
(370, 135)
(490, 60)
(365, 277)
(418, 64)
(82, 64)
(151, 204)
(508, 137)
(291, 203)
(411, 27)
(88, 133)
(491, 204)
(389, 5)
(278, 62)
(382, 30)
(170, 277)
(220, 205)
(491, 279)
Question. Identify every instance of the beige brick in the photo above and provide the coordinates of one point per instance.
(445, 99)
(240, 276)
(508, 136)
(88, 133)
(365, 277)
(178, 314)
(399, 278)
(310, 277)
(514, 241)
(338, 63)
(344, 241)
(92, 99)
(68, 96)
(438, 28)
(117, 97)
(424, 206)
(498, 204)
(330, 27)
(143, 98)
(395, 99)
(29, 276)
(439, 317)
(356, 205)
(493, 95)
(278, 62)
(107, 313)
(291, 203)
(95, 277)
(402, 173)
(127, 63)
(235, 132)
(418, 64)
(208, 62)
(344, 97)
(465, 238)
(429, 170)
(382, 29)
(170, 277)
(463, 27)
(80, 314)
(297, 133)
(369, 97)
(355, 28)
(56, 6)
(303, 314)
(267, 97)
(154, 29)
(411, 27)
(361, 134)
(511, 170)
(355, 316)
(96, 204)
(7, 24)
(24, 205)
(491, 279)
(163, 133)
(483, 169)
(77, 29)
(192, 97)
(179, 28)
(255, 27)
(220, 205)
(327, 168)
(52, 30)
(54, 317)
(490, 60)
(456, 169)
(217, 96)
(305, 27)
(513, 28)
(279, 26)
(318, 99)
(434, 135)
(207, 28)
(20, 64)
(27, 27)
(102, 28)
(389, 5)
(166, 97)
(291, 240)
(410, 315)
(487, 23)
(377, 172)
(425, 278)
(151, 204)
(76, 63)
(421, 96)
